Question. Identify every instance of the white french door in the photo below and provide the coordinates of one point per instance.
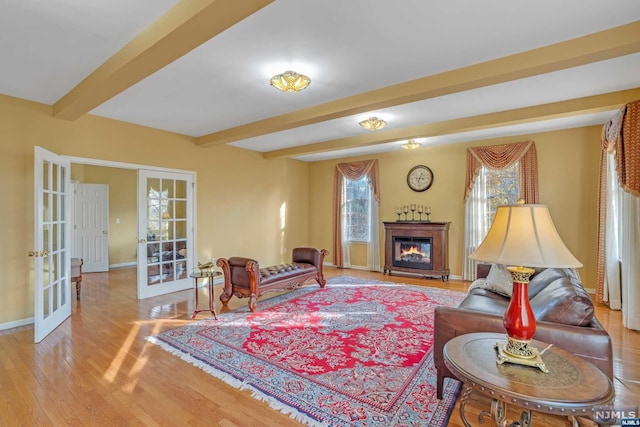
(52, 242)
(165, 232)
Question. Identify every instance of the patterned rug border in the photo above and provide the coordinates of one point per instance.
(452, 388)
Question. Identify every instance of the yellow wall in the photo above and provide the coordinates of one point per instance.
(260, 208)
(241, 197)
(568, 163)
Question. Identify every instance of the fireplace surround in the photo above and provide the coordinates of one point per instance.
(417, 247)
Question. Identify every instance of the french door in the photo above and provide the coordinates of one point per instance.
(165, 232)
(52, 242)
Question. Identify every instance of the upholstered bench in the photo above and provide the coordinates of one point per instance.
(244, 278)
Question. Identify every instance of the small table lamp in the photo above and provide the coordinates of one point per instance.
(523, 236)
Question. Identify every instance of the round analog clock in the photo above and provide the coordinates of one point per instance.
(420, 178)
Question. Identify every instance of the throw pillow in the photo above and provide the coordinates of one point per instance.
(499, 280)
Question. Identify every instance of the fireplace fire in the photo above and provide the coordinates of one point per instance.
(412, 252)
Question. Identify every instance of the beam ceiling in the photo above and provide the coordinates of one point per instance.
(611, 43)
(587, 105)
(183, 28)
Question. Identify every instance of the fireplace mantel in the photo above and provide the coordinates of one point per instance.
(438, 232)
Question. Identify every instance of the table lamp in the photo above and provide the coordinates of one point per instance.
(523, 236)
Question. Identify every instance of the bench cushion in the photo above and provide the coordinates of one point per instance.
(284, 271)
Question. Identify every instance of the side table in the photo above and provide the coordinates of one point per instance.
(209, 275)
(573, 386)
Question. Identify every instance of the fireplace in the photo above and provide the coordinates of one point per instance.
(413, 252)
(417, 247)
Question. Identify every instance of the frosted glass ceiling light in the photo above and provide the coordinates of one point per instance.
(290, 81)
(411, 145)
(373, 123)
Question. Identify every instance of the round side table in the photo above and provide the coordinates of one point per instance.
(573, 386)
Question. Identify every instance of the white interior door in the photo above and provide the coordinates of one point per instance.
(165, 232)
(91, 226)
(52, 239)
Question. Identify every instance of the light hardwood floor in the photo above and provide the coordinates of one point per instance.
(98, 369)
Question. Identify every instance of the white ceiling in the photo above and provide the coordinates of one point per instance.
(346, 47)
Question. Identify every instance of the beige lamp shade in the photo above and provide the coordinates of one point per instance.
(524, 235)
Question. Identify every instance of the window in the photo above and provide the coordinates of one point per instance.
(501, 188)
(357, 205)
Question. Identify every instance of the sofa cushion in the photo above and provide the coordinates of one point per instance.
(498, 280)
(564, 300)
(485, 301)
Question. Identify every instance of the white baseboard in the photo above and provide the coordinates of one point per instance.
(123, 264)
(17, 323)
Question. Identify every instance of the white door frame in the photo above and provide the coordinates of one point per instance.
(138, 167)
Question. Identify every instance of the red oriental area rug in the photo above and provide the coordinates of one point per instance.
(351, 354)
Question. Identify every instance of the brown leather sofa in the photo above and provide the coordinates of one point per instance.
(244, 278)
(563, 309)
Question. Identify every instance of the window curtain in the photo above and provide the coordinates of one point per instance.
(355, 171)
(618, 272)
(493, 157)
(476, 224)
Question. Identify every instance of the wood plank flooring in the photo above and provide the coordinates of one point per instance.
(97, 368)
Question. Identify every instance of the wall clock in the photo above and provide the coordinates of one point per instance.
(420, 178)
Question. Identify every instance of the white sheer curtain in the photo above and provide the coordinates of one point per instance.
(630, 254)
(476, 226)
(622, 243)
(346, 259)
(373, 247)
(612, 285)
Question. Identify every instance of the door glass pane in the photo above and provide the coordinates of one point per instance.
(54, 296)
(54, 237)
(181, 270)
(46, 207)
(181, 189)
(153, 253)
(63, 295)
(45, 175)
(45, 238)
(55, 259)
(181, 229)
(54, 177)
(46, 271)
(167, 251)
(167, 188)
(181, 209)
(46, 301)
(153, 274)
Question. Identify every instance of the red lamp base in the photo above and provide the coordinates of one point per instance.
(520, 323)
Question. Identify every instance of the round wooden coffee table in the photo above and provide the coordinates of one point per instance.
(573, 386)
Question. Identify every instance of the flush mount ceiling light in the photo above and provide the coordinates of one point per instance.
(411, 145)
(290, 81)
(373, 123)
